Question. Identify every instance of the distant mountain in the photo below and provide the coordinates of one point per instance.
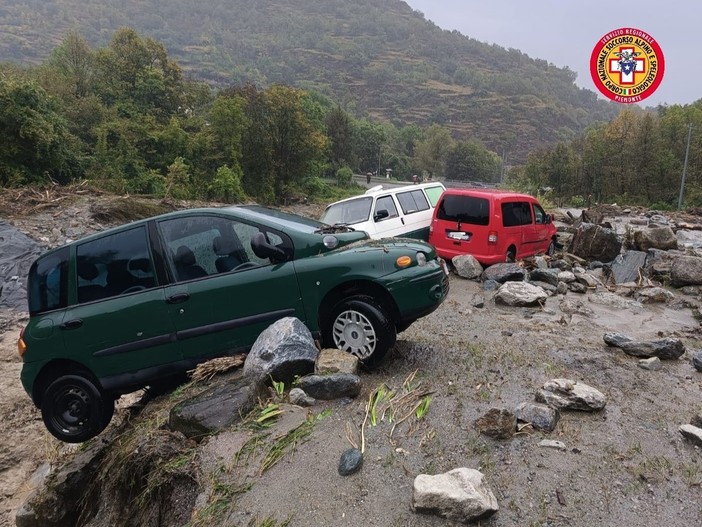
(375, 57)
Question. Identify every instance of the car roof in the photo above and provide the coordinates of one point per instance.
(379, 189)
(487, 193)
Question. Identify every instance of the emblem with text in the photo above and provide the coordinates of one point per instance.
(627, 65)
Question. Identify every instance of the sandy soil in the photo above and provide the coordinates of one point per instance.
(626, 465)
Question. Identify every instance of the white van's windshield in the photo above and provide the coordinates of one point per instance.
(348, 212)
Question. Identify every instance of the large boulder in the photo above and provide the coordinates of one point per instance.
(669, 348)
(458, 495)
(503, 272)
(520, 294)
(627, 266)
(467, 266)
(686, 270)
(593, 242)
(331, 386)
(655, 237)
(218, 407)
(285, 350)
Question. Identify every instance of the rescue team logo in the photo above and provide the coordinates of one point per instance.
(627, 65)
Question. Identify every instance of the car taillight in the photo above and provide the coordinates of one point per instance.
(492, 237)
(21, 346)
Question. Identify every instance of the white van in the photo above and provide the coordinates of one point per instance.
(401, 211)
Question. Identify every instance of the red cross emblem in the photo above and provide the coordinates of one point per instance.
(627, 66)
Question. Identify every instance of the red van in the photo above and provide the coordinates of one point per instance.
(492, 225)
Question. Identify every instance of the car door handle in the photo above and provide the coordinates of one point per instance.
(178, 298)
(72, 324)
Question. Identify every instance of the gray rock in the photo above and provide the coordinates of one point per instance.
(566, 394)
(665, 349)
(593, 242)
(549, 443)
(690, 290)
(562, 288)
(467, 266)
(616, 339)
(540, 262)
(497, 423)
(504, 272)
(573, 307)
(331, 386)
(651, 295)
(627, 267)
(458, 495)
(697, 360)
(490, 285)
(216, 408)
(654, 237)
(351, 462)
(520, 294)
(652, 364)
(552, 289)
(577, 287)
(336, 361)
(587, 280)
(696, 420)
(566, 276)
(283, 351)
(610, 299)
(541, 416)
(299, 397)
(692, 433)
(550, 276)
(686, 270)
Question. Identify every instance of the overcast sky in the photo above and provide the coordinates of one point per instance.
(565, 32)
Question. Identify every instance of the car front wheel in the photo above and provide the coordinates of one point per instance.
(361, 327)
(74, 409)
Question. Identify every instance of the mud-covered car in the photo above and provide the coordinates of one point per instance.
(134, 305)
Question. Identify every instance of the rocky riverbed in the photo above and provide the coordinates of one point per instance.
(625, 462)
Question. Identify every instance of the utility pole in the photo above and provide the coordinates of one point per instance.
(687, 152)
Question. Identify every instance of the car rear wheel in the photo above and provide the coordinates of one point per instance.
(74, 409)
(511, 255)
(361, 327)
(551, 248)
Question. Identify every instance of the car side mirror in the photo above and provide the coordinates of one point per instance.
(381, 215)
(263, 249)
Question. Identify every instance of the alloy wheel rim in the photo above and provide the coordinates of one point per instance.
(354, 333)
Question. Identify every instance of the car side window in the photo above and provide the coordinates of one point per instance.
(412, 201)
(47, 283)
(200, 246)
(434, 193)
(114, 265)
(516, 213)
(388, 204)
(539, 214)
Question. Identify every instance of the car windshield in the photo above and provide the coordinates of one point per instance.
(348, 212)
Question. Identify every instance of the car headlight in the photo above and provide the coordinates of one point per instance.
(330, 242)
(421, 259)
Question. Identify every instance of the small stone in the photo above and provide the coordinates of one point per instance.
(549, 443)
(692, 433)
(351, 462)
(653, 364)
(697, 360)
(300, 398)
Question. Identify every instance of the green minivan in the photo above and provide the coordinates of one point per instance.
(135, 305)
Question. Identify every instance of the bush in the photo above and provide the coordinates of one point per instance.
(226, 186)
(344, 176)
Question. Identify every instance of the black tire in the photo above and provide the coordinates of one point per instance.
(551, 248)
(74, 409)
(362, 327)
(511, 255)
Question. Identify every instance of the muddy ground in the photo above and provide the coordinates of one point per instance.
(626, 465)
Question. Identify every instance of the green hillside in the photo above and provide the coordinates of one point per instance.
(375, 57)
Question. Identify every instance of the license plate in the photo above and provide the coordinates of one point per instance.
(458, 235)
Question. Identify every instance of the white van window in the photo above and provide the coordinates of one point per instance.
(386, 203)
(348, 212)
(434, 193)
(412, 201)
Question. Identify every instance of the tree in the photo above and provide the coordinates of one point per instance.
(432, 151)
(340, 135)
